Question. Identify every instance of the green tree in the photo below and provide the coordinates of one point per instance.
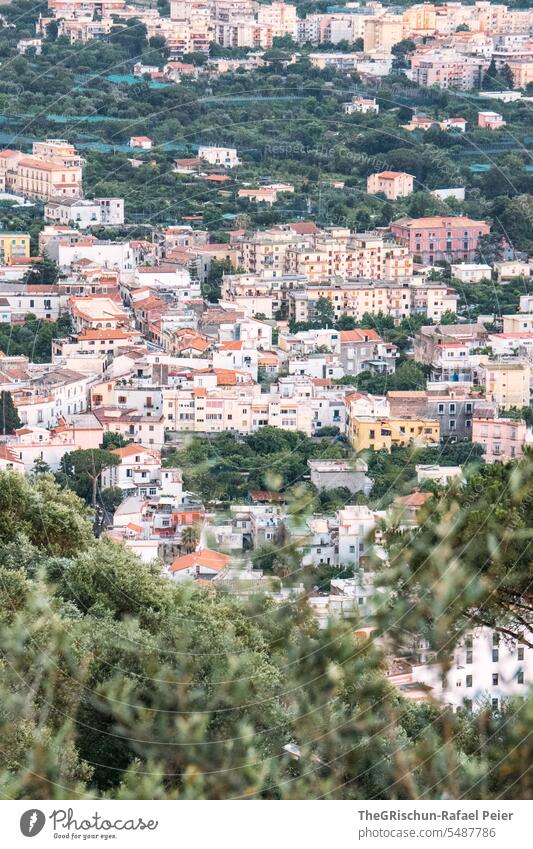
(10, 417)
(38, 510)
(87, 465)
(469, 547)
(112, 440)
(212, 287)
(44, 272)
(324, 312)
(190, 537)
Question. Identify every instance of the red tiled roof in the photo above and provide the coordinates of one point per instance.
(360, 336)
(204, 558)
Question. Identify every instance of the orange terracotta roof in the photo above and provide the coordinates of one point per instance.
(204, 558)
(7, 454)
(439, 221)
(305, 228)
(360, 336)
(128, 450)
(391, 175)
(415, 499)
(235, 345)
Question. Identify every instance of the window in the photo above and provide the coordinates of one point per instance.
(468, 680)
(469, 656)
(495, 655)
(495, 679)
(520, 676)
(495, 639)
(495, 704)
(520, 652)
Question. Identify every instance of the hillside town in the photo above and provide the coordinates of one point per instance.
(266, 372)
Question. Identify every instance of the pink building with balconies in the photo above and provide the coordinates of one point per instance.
(490, 120)
(440, 237)
(502, 439)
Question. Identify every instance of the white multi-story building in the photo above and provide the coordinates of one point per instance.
(485, 667)
(223, 156)
(83, 213)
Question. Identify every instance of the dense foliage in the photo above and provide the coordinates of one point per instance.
(226, 467)
(33, 338)
(287, 122)
(121, 683)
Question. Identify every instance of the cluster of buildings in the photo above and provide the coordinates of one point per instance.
(454, 44)
(150, 359)
(53, 176)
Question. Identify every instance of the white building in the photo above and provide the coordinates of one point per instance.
(86, 213)
(363, 105)
(118, 256)
(441, 475)
(355, 524)
(224, 156)
(445, 194)
(485, 667)
(139, 470)
(471, 272)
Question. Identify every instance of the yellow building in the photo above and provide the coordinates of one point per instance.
(13, 245)
(376, 434)
(381, 34)
(507, 383)
(419, 20)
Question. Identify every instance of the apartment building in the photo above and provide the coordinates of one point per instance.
(226, 157)
(507, 382)
(453, 406)
(350, 256)
(365, 350)
(54, 170)
(85, 213)
(398, 300)
(145, 430)
(490, 120)
(139, 469)
(502, 438)
(447, 69)
(369, 433)
(451, 350)
(393, 184)
(440, 238)
(13, 245)
(20, 299)
(485, 667)
(382, 33)
(49, 444)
